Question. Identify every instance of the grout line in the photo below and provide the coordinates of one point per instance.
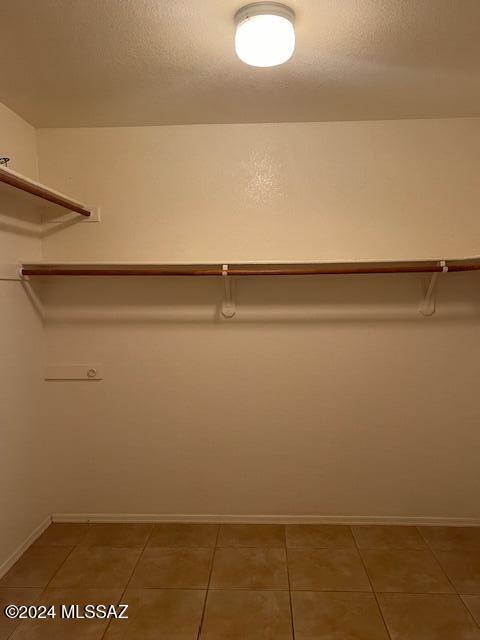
(130, 578)
(72, 549)
(21, 623)
(8, 587)
(55, 546)
(468, 608)
(371, 584)
(456, 592)
(208, 583)
(61, 565)
(289, 584)
(432, 551)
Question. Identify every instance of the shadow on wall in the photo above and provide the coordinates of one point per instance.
(258, 299)
(20, 213)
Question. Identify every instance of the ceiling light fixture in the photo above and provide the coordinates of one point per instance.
(265, 35)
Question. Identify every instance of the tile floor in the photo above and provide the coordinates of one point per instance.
(252, 582)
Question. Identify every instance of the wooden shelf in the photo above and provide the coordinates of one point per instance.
(14, 185)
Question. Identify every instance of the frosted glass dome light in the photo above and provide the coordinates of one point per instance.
(265, 34)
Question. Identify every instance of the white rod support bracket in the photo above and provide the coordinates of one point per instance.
(427, 306)
(11, 272)
(228, 309)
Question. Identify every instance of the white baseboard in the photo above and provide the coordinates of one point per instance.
(230, 519)
(267, 519)
(20, 550)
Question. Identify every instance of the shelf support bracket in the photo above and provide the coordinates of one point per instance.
(427, 306)
(228, 305)
(11, 272)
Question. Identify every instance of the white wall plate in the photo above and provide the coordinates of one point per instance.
(86, 372)
(51, 216)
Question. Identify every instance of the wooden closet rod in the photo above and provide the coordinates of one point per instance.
(254, 270)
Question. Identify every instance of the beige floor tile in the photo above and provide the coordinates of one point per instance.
(173, 568)
(249, 569)
(251, 535)
(97, 567)
(387, 537)
(156, 614)
(346, 616)
(36, 567)
(450, 538)
(463, 569)
(252, 615)
(17, 596)
(62, 534)
(183, 535)
(319, 536)
(117, 535)
(405, 571)
(473, 605)
(427, 617)
(327, 570)
(69, 629)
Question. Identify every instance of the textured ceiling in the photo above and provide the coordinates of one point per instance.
(70, 63)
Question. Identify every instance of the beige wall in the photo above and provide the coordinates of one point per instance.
(19, 143)
(24, 491)
(274, 191)
(327, 396)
